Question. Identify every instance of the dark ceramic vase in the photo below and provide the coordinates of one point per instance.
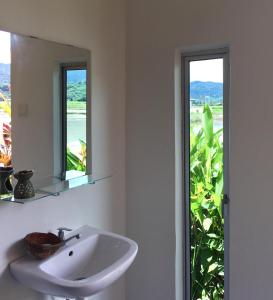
(24, 188)
(5, 184)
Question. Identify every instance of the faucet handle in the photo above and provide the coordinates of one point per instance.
(61, 232)
(64, 229)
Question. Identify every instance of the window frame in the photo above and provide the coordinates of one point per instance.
(64, 68)
(186, 58)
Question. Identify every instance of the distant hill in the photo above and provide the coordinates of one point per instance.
(4, 73)
(201, 91)
(76, 91)
(5, 68)
(72, 76)
(76, 85)
(5, 80)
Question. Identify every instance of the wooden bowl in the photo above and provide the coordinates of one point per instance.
(42, 245)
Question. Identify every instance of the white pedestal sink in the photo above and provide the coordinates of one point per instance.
(81, 268)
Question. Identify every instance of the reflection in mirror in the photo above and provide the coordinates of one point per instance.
(5, 101)
(44, 107)
(74, 120)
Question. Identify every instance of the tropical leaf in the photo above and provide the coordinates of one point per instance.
(208, 125)
(76, 161)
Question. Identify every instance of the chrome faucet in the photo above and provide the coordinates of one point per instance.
(61, 231)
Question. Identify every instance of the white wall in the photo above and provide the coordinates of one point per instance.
(97, 25)
(156, 28)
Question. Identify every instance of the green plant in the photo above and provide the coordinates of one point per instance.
(207, 225)
(76, 161)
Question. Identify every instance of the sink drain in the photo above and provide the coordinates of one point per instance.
(79, 278)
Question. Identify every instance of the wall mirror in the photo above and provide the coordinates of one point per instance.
(45, 109)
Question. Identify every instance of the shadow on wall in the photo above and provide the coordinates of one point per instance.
(11, 288)
(16, 250)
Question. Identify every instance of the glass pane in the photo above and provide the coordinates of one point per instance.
(76, 122)
(5, 100)
(206, 179)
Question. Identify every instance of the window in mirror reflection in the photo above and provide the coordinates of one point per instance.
(74, 120)
(5, 100)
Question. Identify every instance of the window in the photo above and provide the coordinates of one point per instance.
(74, 120)
(205, 82)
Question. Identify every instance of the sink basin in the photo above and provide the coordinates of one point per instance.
(81, 268)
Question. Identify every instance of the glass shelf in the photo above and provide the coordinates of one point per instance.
(54, 186)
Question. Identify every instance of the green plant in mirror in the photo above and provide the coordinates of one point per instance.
(207, 224)
(76, 160)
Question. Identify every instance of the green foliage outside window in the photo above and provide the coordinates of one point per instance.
(207, 224)
(76, 161)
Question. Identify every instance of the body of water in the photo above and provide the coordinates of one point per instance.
(76, 128)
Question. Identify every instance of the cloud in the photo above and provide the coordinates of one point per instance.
(207, 70)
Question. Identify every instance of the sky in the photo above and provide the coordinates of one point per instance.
(207, 70)
(4, 47)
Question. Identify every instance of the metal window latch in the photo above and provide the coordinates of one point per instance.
(225, 202)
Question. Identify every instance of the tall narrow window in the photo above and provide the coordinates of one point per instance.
(205, 165)
(74, 120)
